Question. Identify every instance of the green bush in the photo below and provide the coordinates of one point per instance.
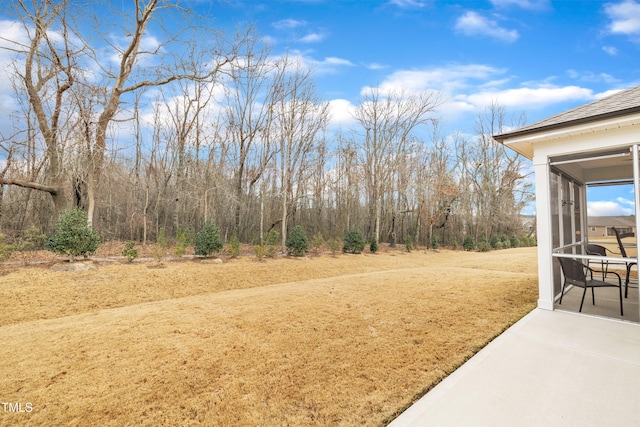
(73, 236)
(234, 245)
(207, 241)
(129, 251)
(434, 242)
(297, 243)
(162, 243)
(316, 242)
(469, 243)
(514, 242)
(334, 246)
(260, 251)
(271, 241)
(483, 245)
(408, 243)
(32, 240)
(353, 242)
(5, 249)
(373, 246)
(494, 242)
(183, 240)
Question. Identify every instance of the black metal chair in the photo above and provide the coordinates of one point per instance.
(574, 272)
(592, 249)
(619, 237)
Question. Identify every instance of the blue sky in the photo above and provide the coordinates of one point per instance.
(540, 57)
(537, 57)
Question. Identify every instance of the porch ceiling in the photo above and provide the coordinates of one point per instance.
(599, 169)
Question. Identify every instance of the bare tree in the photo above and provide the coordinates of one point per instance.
(47, 74)
(388, 121)
(299, 117)
(248, 106)
(53, 66)
(496, 176)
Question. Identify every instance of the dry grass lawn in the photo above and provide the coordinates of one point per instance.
(340, 341)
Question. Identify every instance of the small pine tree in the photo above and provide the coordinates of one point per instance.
(434, 242)
(373, 246)
(353, 242)
(160, 248)
(494, 241)
(483, 245)
(73, 236)
(260, 251)
(408, 243)
(334, 246)
(183, 240)
(316, 242)
(271, 241)
(297, 243)
(469, 243)
(207, 241)
(514, 242)
(234, 245)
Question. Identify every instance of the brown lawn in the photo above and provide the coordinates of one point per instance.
(346, 340)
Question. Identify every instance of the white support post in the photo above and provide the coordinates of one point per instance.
(544, 229)
(636, 189)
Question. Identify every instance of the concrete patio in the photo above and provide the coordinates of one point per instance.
(552, 368)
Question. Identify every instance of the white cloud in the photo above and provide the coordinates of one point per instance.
(624, 16)
(607, 208)
(341, 112)
(524, 4)
(288, 23)
(474, 24)
(12, 37)
(468, 89)
(328, 65)
(408, 4)
(589, 76)
(626, 202)
(312, 38)
(445, 79)
(375, 66)
(528, 97)
(611, 50)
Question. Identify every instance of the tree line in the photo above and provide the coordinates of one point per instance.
(158, 135)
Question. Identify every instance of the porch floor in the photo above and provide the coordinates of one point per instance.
(552, 368)
(607, 303)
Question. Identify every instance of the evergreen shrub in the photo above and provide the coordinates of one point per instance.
(483, 245)
(353, 242)
(207, 241)
(373, 246)
(469, 243)
(434, 242)
(73, 236)
(234, 245)
(270, 241)
(334, 246)
(408, 243)
(297, 242)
